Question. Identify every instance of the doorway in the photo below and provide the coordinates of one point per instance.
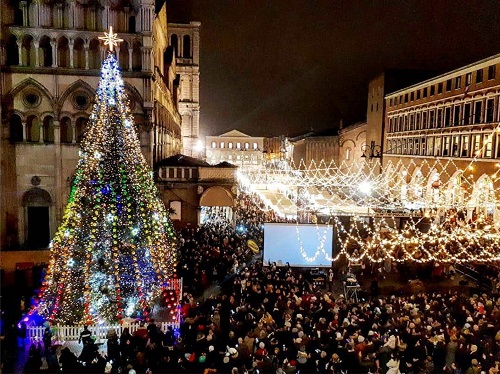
(38, 226)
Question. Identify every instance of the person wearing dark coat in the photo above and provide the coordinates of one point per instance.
(68, 361)
(113, 346)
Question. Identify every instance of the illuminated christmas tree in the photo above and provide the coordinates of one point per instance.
(114, 252)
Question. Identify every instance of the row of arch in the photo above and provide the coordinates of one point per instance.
(42, 130)
(429, 189)
(181, 45)
(476, 109)
(68, 51)
(68, 15)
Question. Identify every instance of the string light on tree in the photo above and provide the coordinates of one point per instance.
(115, 251)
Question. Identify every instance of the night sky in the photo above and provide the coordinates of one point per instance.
(283, 67)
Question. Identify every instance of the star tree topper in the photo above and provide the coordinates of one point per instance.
(110, 38)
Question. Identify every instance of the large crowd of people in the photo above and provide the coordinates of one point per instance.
(269, 319)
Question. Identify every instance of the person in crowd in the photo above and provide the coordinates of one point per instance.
(270, 319)
(85, 336)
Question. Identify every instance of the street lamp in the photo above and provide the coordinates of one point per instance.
(371, 151)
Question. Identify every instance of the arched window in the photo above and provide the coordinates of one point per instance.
(186, 46)
(18, 17)
(95, 54)
(348, 154)
(174, 43)
(48, 129)
(80, 128)
(16, 129)
(32, 129)
(78, 54)
(37, 202)
(66, 130)
(124, 60)
(131, 24)
(12, 52)
(63, 52)
(137, 57)
(46, 51)
(28, 51)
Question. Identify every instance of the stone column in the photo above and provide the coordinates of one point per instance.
(23, 5)
(73, 132)
(3, 54)
(20, 52)
(40, 136)
(57, 131)
(58, 174)
(117, 49)
(36, 45)
(71, 44)
(146, 58)
(24, 132)
(53, 44)
(86, 46)
(130, 58)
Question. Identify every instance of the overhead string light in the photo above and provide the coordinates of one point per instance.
(447, 213)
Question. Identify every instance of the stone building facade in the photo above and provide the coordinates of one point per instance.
(451, 120)
(185, 41)
(50, 63)
(352, 140)
(312, 149)
(236, 148)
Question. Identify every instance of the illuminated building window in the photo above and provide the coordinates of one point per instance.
(465, 146)
(488, 146)
(230, 145)
(437, 146)
(214, 145)
(454, 146)
(458, 82)
(430, 146)
(446, 146)
(476, 145)
(222, 145)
